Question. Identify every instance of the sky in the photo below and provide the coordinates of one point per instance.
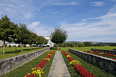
(84, 20)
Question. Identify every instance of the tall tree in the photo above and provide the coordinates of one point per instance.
(40, 40)
(14, 33)
(32, 39)
(23, 35)
(5, 29)
(58, 36)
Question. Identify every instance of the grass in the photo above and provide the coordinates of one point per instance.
(26, 68)
(10, 51)
(89, 48)
(71, 69)
(91, 68)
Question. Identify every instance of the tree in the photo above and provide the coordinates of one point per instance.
(14, 33)
(81, 44)
(41, 40)
(88, 43)
(32, 39)
(23, 35)
(5, 30)
(58, 36)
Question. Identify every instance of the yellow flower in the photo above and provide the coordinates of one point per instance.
(46, 59)
(49, 54)
(91, 51)
(68, 56)
(74, 62)
(101, 53)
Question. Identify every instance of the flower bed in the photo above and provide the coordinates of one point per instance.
(102, 54)
(37, 71)
(77, 65)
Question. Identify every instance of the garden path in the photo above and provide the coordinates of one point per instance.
(58, 67)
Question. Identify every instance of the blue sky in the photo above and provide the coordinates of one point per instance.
(84, 20)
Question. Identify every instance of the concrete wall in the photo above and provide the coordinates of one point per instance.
(9, 64)
(104, 63)
(105, 51)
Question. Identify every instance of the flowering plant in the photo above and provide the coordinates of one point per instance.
(102, 54)
(77, 65)
(37, 71)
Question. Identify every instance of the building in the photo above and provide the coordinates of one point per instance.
(50, 43)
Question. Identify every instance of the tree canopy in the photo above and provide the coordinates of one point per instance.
(12, 32)
(59, 35)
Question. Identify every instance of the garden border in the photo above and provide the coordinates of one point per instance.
(9, 64)
(102, 62)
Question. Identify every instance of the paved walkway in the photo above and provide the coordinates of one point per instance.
(58, 67)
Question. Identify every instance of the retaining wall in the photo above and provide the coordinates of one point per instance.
(105, 51)
(9, 64)
(104, 63)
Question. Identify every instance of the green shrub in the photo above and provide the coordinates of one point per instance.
(19, 46)
(14, 45)
(9, 46)
(24, 45)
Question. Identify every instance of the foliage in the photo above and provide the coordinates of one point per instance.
(40, 40)
(26, 68)
(19, 45)
(88, 43)
(59, 35)
(8, 31)
(81, 44)
(112, 44)
(9, 46)
(24, 45)
(94, 69)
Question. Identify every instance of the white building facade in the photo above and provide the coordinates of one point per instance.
(50, 43)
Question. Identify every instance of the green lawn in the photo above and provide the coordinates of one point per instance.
(89, 48)
(93, 69)
(10, 51)
(27, 68)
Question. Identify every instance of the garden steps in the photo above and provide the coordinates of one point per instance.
(58, 67)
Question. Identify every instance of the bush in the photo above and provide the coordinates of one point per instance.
(55, 48)
(24, 45)
(19, 46)
(9, 46)
(81, 45)
(14, 45)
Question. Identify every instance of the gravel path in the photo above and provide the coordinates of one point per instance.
(58, 67)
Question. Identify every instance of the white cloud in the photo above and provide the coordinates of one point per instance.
(38, 28)
(103, 29)
(70, 3)
(17, 9)
(97, 3)
(33, 25)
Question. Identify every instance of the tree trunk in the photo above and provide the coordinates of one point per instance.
(57, 47)
(4, 47)
(22, 47)
(15, 47)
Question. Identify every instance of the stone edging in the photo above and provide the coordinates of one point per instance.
(9, 64)
(102, 62)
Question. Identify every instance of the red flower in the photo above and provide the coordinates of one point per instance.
(31, 75)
